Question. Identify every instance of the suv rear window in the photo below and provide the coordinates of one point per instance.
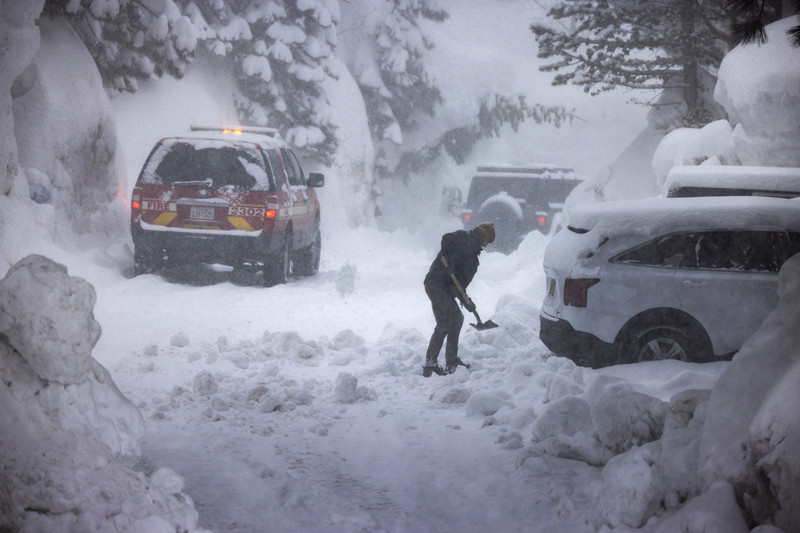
(215, 166)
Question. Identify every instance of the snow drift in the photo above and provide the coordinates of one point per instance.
(69, 436)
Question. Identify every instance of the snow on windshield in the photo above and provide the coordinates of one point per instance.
(182, 160)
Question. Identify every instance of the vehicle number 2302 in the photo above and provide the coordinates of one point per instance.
(244, 211)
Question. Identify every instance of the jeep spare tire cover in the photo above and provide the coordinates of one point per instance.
(506, 214)
(503, 199)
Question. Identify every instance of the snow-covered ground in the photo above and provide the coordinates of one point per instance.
(209, 403)
(302, 407)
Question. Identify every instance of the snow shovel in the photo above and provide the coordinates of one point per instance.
(480, 326)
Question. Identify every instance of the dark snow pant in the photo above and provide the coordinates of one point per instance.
(449, 320)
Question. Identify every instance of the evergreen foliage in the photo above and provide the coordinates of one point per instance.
(750, 29)
(130, 40)
(494, 113)
(281, 53)
(397, 90)
(601, 45)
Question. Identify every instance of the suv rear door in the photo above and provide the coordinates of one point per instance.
(730, 272)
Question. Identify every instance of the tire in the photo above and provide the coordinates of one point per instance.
(661, 342)
(306, 261)
(145, 261)
(277, 268)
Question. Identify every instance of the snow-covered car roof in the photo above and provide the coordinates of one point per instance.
(527, 171)
(231, 137)
(656, 215)
(635, 221)
(751, 178)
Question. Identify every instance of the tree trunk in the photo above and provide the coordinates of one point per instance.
(691, 89)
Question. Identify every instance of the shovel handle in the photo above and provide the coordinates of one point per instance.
(461, 289)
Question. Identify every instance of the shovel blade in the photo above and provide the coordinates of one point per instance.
(480, 326)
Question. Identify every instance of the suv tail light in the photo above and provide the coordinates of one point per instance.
(576, 291)
(272, 208)
(136, 200)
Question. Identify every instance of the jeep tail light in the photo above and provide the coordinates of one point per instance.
(136, 200)
(576, 291)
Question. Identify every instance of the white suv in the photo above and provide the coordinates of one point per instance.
(684, 278)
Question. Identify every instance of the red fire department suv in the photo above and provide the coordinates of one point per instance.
(233, 197)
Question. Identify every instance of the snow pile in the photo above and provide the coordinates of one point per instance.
(710, 144)
(57, 114)
(62, 115)
(752, 434)
(689, 459)
(758, 88)
(69, 436)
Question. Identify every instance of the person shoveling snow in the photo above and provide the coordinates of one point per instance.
(452, 270)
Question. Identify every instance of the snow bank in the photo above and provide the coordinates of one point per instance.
(758, 88)
(683, 464)
(20, 42)
(69, 435)
(56, 112)
(689, 146)
(751, 436)
(64, 116)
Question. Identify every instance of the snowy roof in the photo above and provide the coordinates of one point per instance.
(752, 178)
(527, 171)
(590, 225)
(250, 139)
(654, 215)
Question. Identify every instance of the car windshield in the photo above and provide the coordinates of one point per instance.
(215, 166)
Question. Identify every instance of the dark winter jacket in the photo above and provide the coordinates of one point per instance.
(461, 248)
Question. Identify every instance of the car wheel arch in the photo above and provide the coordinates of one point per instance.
(664, 318)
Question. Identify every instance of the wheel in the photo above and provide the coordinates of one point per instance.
(659, 343)
(145, 261)
(663, 334)
(277, 268)
(306, 261)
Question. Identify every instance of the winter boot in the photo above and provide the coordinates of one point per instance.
(427, 370)
(453, 365)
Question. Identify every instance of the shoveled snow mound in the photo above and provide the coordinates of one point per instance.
(752, 434)
(69, 436)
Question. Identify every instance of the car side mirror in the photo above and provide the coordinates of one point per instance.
(315, 179)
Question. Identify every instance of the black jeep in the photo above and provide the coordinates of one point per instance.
(517, 200)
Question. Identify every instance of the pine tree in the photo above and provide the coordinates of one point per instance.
(394, 81)
(130, 41)
(755, 13)
(494, 112)
(601, 45)
(281, 51)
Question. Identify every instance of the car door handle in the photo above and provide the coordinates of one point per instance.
(694, 283)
